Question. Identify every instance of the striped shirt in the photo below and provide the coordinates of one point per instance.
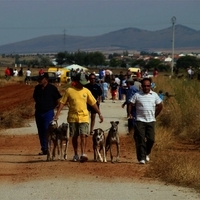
(145, 105)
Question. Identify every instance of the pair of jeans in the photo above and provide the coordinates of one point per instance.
(42, 121)
(144, 136)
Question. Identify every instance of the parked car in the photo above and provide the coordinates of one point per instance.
(52, 77)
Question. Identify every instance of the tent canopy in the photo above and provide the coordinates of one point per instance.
(75, 67)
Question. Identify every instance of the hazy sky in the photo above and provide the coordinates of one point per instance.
(27, 19)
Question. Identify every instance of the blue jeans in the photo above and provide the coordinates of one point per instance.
(42, 121)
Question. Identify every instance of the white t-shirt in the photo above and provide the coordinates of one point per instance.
(28, 73)
(15, 73)
(58, 73)
(145, 105)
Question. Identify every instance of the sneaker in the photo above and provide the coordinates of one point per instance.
(76, 158)
(142, 161)
(83, 158)
(147, 158)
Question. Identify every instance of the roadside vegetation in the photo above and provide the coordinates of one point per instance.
(176, 151)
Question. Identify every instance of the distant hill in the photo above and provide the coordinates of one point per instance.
(124, 39)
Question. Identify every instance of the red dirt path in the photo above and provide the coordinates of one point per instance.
(19, 160)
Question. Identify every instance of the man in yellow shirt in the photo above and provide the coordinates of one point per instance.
(77, 97)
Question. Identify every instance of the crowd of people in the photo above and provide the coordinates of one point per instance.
(84, 95)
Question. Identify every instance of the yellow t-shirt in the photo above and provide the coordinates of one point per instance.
(77, 100)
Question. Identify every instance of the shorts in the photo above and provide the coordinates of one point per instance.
(114, 93)
(91, 110)
(76, 129)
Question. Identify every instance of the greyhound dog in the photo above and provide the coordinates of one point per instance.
(99, 144)
(57, 136)
(113, 138)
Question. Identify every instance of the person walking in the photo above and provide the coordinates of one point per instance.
(131, 90)
(7, 73)
(105, 89)
(28, 76)
(58, 76)
(148, 106)
(113, 89)
(46, 98)
(96, 91)
(77, 97)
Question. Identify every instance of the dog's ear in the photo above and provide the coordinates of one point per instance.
(117, 122)
(52, 123)
(112, 122)
(101, 130)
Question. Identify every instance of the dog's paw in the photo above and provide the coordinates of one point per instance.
(118, 160)
(65, 157)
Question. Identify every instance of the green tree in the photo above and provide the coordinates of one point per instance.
(153, 63)
(97, 58)
(186, 61)
(45, 62)
(139, 62)
(61, 58)
(113, 62)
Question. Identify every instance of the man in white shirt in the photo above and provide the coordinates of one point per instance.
(148, 106)
(58, 76)
(15, 72)
(28, 76)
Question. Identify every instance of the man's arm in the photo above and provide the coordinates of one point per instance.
(60, 107)
(159, 107)
(130, 105)
(95, 107)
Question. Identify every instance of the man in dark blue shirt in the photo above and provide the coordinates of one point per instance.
(130, 92)
(96, 91)
(46, 98)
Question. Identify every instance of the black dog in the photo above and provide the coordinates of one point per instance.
(99, 144)
(113, 138)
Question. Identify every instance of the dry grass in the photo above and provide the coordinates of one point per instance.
(179, 121)
(177, 168)
(16, 117)
(164, 139)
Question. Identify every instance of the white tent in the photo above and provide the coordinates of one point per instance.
(75, 67)
(168, 59)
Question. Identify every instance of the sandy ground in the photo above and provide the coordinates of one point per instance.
(26, 175)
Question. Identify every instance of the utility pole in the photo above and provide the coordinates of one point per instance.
(64, 38)
(173, 30)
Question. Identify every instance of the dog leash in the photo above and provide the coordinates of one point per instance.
(106, 129)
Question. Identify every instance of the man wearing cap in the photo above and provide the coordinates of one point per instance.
(46, 98)
(77, 97)
(96, 91)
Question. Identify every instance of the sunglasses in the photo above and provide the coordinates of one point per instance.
(146, 85)
(92, 78)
